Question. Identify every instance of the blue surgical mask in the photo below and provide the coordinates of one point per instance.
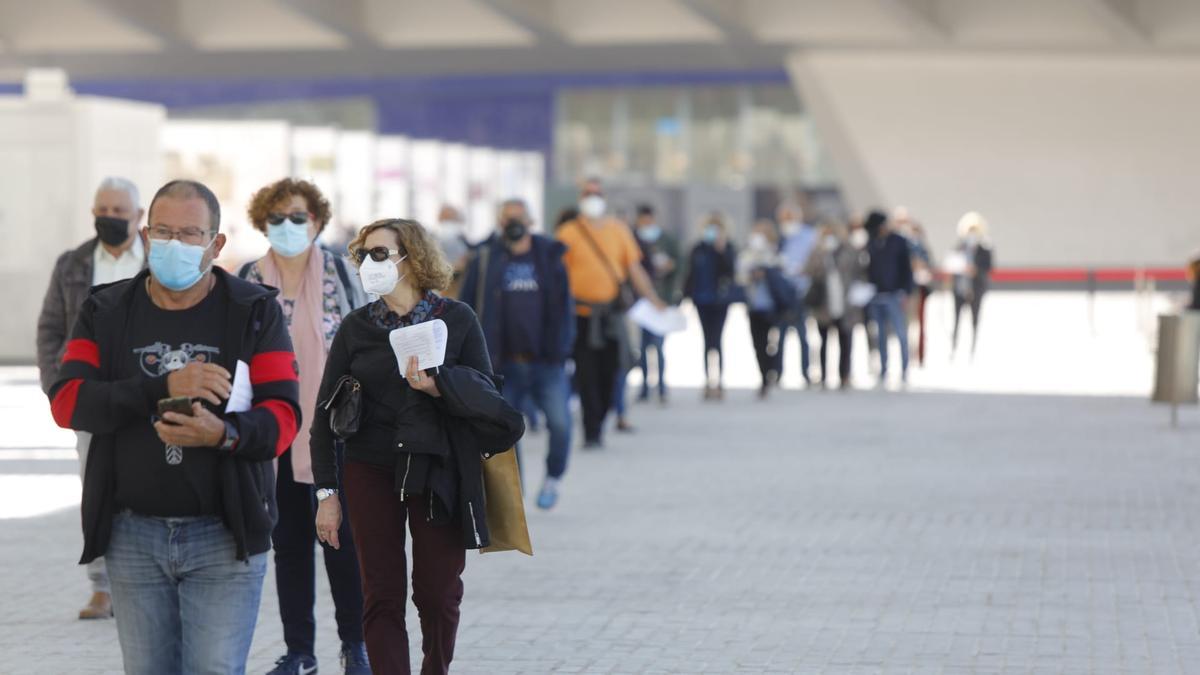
(176, 265)
(650, 233)
(711, 234)
(288, 239)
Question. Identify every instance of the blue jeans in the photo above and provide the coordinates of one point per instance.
(546, 385)
(886, 309)
(796, 317)
(651, 340)
(182, 600)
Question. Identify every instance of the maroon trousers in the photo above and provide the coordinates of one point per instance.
(377, 517)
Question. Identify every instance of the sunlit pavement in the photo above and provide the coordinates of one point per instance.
(983, 522)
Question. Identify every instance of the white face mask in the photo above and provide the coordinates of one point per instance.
(451, 227)
(830, 243)
(592, 206)
(790, 227)
(859, 238)
(758, 242)
(380, 278)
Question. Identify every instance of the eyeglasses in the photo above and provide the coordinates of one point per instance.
(188, 235)
(378, 254)
(297, 218)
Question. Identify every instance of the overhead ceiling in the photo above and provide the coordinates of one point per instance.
(120, 39)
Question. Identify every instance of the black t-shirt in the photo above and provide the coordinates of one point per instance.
(522, 303)
(152, 478)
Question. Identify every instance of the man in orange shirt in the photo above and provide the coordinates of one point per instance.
(602, 256)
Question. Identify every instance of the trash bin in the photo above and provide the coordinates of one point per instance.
(1178, 360)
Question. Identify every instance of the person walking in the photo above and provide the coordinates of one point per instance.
(890, 270)
(661, 259)
(768, 294)
(316, 292)
(604, 268)
(923, 266)
(517, 285)
(114, 254)
(835, 267)
(179, 494)
(972, 280)
(415, 455)
(1193, 274)
(710, 285)
(799, 240)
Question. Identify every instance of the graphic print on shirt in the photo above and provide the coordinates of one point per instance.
(160, 358)
(520, 277)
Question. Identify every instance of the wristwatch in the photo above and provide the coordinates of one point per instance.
(230, 440)
(325, 493)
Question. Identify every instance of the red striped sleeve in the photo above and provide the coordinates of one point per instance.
(63, 405)
(285, 419)
(83, 350)
(273, 367)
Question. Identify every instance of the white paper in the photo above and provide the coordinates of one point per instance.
(657, 321)
(242, 394)
(860, 293)
(955, 263)
(426, 341)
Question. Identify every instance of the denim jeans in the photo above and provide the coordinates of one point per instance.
(183, 602)
(796, 317)
(546, 385)
(656, 341)
(886, 309)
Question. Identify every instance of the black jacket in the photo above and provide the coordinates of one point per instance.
(89, 396)
(433, 444)
(890, 267)
(484, 425)
(558, 306)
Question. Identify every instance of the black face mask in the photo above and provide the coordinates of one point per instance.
(515, 230)
(112, 231)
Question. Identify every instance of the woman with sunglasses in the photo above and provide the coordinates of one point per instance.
(416, 454)
(316, 292)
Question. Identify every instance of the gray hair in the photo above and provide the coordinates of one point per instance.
(513, 201)
(118, 184)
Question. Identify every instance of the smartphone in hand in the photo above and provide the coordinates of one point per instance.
(178, 404)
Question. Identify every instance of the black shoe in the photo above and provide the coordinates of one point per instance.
(295, 664)
(354, 659)
(643, 396)
(593, 444)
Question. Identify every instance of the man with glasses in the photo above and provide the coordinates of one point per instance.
(115, 253)
(186, 377)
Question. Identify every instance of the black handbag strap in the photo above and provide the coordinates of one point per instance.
(608, 266)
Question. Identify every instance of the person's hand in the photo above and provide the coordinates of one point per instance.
(329, 520)
(202, 430)
(419, 380)
(200, 380)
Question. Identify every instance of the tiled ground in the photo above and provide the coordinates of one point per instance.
(815, 533)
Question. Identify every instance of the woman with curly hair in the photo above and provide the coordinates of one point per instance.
(416, 453)
(316, 292)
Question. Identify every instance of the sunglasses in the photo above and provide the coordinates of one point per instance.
(378, 254)
(297, 218)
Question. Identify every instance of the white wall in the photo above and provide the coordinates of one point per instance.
(53, 154)
(1074, 159)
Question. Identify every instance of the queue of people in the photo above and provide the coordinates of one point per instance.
(220, 417)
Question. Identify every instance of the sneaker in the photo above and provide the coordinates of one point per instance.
(295, 664)
(624, 426)
(548, 497)
(354, 659)
(643, 396)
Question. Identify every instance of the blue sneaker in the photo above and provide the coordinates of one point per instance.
(354, 659)
(548, 497)
(295, 664)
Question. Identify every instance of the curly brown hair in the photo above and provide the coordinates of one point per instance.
(426, 262)
(267, 198)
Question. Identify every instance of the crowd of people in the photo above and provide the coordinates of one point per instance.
(221, 416)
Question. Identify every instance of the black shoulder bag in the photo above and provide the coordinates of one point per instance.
(345, 407)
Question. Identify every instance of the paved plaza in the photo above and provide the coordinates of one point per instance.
(928, 531)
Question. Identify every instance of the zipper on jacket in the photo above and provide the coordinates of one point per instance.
(471, 508)
(404, 481)
(429, 518)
